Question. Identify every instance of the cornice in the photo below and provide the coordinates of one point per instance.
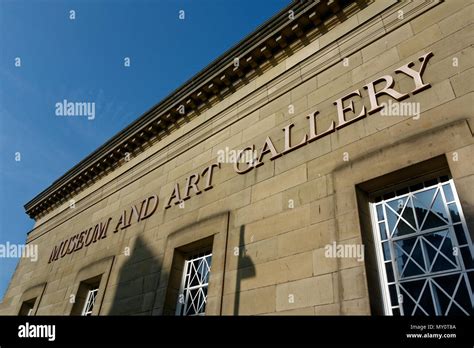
(364, 34)
(213, 84)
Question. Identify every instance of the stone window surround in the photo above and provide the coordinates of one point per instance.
(36, 292)
(101, 267)
(215, 226)
(351, 192)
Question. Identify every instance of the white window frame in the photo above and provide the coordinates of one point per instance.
(90, 302)
(384, 284)
(185, 289)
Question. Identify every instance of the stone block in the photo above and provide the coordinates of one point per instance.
(322, 264)
(390, 40)
(436, 15)
(304, 293)
(252, 302)
(464, 83)
(322, 209)
(353, 282)
(258, 210)
(289, 220)
(423, 39)
(281, 182)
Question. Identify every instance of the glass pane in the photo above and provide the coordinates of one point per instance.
(408, 214)
(442, 298)
(429, 208)
(443, 178)
(448, 193)
(410, 292)
(416, 187)
(393, 294)
(425, 302)
(467, 257)
(383, 232)
(194, 277)
(201, 269)
(379, 212)
(206, 265)
(386, 251)
(431, 182)
(470, 276)
(450, 289)
(439, 250)
(422, 202)
(409, 257)
(192, 301)
(439, 207)
(389, 272)
(453, 210)
(432, 221)
(420, 298)
(460, 234)
(462, 299)
(397, 226)
(391, 220)
(398, 204)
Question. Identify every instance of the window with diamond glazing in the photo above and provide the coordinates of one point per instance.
(424, 250)
(193, 294)
(90, 301)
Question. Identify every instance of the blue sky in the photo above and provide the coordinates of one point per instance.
(83, 60)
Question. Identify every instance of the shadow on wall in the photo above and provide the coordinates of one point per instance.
(137, 283)
(245, 269)
(139, 277)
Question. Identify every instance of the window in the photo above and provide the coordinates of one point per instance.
(27, 307)
(424, 250)
(189, 277)
(90, 301)
(195, 280)
(86, 297)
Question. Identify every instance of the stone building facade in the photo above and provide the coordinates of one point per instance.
(322, 166)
